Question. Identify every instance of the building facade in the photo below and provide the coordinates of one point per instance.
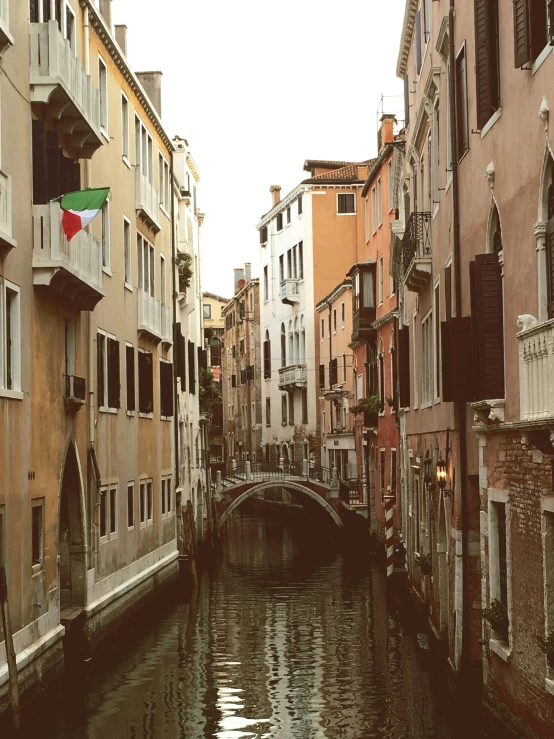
(299, 262)
(241, 371)
(214, 334)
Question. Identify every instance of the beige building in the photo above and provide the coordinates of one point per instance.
(87, 506)
(214, 332)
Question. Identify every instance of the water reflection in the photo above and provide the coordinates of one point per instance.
(284, 640)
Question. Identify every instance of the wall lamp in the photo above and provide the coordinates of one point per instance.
(442, 476)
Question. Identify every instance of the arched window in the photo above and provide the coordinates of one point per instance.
(296, 342)
(302, 341)
(283, 346)
(550, 244)
(291, 344)
(267, 357)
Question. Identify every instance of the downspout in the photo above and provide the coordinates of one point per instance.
(460, 407)
(175, 337)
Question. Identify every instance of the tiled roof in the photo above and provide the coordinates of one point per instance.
(326, 164)
(348, 173)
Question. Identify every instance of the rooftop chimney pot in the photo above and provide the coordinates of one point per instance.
(275, 191)
(121, 38)
(248, 271)
(152, 83)
(106, 12)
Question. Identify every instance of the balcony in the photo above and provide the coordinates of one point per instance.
(293, 376)
(154, 319)
(536, 369)
(7, 242)
(416, 252)
(147, 201)
(59, 81)
(6, 39)
(289, 292)
(71, 268)
(75, 392)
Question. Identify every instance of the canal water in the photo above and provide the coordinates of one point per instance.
(286, 639)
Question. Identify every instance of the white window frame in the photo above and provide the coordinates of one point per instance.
(381, 285)
(150, 507)
(145, 165)
(68, 10)
(547, 506)
(103, 96)
(163, 280)
(146, 278)
(131, 486)
(143, 502)
(103, 406)
(379, 202)
(15, 331)
(427, 360)
(127, 256)
(165, 496)
(498, 646)
(108, 490)
(350, 213)
(125, 130)
(165, 189)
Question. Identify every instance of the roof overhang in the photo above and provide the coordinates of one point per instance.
(406, 37)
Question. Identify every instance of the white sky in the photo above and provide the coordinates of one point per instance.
(257, 87)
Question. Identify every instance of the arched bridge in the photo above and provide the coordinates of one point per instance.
(238, 482)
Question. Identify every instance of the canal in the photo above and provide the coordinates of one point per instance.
(286, 639)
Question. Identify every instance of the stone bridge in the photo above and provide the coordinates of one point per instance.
(239, 482)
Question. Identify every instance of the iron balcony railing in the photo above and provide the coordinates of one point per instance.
(416, 243)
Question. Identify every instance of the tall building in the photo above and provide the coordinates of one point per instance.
(306, 240)
(241, 370)
(87, 504)
(214, 333)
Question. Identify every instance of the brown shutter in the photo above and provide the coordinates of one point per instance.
(100, 348)
(113, 374)
(457, 360)
(34, 11)
(321, 375)
(267, 360)
(550, 266)
(487, 310)
(482, 52)
(404, 366)
(130, 362)
(39, 163)
(538, 32)
(522, 46)
(192, 368)
(202, 359)
(166, 389)
(149, 382)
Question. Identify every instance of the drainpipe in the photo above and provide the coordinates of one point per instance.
(86, 31)
(460, 407)
(175, 337)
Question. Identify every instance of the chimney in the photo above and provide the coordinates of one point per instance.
(106, 12)
(386, 130)
(275, 191)
(121, 38)
(248, 271)
(152, 83)
(239, 280)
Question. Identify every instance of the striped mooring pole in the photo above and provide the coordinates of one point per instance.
(389, 531)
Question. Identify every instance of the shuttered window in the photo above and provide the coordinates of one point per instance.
(333, 373)
(404, 366)
(113, 374)
(461, 104)
(192, 368)
(457, 360)
(521, 33)
(146, 382)
(108, 377)
(130, 376)
(321, 375)
(267, 359)
(488, 328)
(382, 382)
(532, 29)
(166, 389)
(486, 59)
(263, 235)
(304, 406)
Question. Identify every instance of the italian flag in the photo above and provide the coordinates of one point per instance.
(79, 208)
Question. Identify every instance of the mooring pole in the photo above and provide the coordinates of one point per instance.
(10, 651)
(389, 531)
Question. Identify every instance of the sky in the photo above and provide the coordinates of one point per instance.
(257, 87)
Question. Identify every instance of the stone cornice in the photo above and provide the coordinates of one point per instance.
(100, 27)
(387, 318)
(406, 38)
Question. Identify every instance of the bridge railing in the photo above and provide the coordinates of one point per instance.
(237, 471)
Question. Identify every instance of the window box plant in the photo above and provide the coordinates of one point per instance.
(497, 617)
(370, 407)
(184, 268)
(425, 563)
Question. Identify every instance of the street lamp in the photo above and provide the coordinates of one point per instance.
(442, 475)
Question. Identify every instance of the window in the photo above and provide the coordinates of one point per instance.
(437, 337)
(381, 279)
(300, 205)
(461, 104)
(130, 505)
(207, 310)
(427, 359)
(37, 532)
(165, 184)
(407, 100)
(390, 181)
(436, 153)
(393, 472)
(279, 221)
(10, 337)
(323, 328)
(374, 209)
(343, 314)
(282, 268)
(103, 90)
(166, 389)
(366, 207)
(321, 375)
(142, 502)
(448, 292)
(291, 409)
(241, 347)
(415, 373)
(266, 285)
(149, 502)
(143, 150)
(498, 554)
(532, 29)
(253, 416)
(70, 25)
(335, 320)
(145, 263)
(284, 410)
(165, 496)
(107, 513)
(107, 368)
(113, 511)
(283, 346)
(346, 203)
(127, 250)
(267, 357)
(381, 382)
(130, 376)
(382, 465)
(344, 367)
(294, 263)
(417, 512)
(486, 58)
(106, 235)
(263, 235)
(268, 412)
(288, 215)
(125, 127)
(289, 264)
(379, 203)
(145, 382)
(426, 19)
(301, 260)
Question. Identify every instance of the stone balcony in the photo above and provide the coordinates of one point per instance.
(289, 291)
(71, 268)
(416, 252)
(147, 201)
(154, 319)
(6, 39)
(7, 242)
(58, 80)
(536, 371)
(293, 376)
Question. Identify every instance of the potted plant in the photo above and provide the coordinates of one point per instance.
(425, 563)
(547, 648)
(370, 407)
(497, 617)
(184, 268)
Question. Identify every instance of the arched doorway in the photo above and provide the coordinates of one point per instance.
(72, 545)
(442, 550)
